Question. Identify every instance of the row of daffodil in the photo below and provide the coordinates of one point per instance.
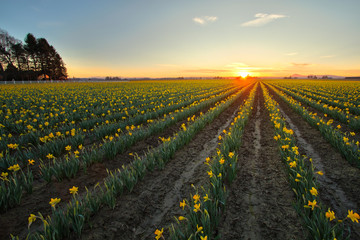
(75, 138)
(202, 212)
(303, 179)
(329, 98)
(120, 142)
(81, 100)
(36, 136)
(69, 165)
(340, 140)
(62, 224)
(342, 115)
(341, 91)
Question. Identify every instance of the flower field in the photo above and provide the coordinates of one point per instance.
(189, 159)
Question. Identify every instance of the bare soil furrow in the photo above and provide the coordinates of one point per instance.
(338, 187)
(155, 200)
(259, 204)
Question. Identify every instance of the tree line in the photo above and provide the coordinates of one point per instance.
(32, 60)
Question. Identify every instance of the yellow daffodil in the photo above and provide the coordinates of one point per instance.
(196, 198)
(159, 233)
(313, 191)
(31, 219)
(222, 161)
(54, 201)
(320, 173)
(14, 168)
(50, 156)
(330, 214)
(231, 154)
(312, 204)
(353, 216)
(68, 148)
(183, 204)
(31, 161)
(181, 218)
(73, 190)
(4, 176)
(199, 229)
(196, 207)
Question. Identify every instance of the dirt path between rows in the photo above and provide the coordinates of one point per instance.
(340, 184)
(14, 221)
(259, 204)
(155, 200)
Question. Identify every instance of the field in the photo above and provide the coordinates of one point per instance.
(191, 159)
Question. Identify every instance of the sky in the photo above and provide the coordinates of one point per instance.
(185, 38)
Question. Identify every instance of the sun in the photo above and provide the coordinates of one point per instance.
(243, 74)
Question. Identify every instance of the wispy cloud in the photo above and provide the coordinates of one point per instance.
(262, 19)
(291, 54)
(204, 20)
(301, 64)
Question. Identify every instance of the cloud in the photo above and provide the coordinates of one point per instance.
(301, 64)
(205, 20)
(291, 54)
(262, 19)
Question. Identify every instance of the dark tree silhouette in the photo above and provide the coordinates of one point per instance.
(35, 59)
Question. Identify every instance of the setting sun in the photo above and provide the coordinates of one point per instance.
(243, 74)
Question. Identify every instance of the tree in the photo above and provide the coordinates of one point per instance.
(33, 59)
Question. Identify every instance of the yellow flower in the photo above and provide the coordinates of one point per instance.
(207, 160)
(4, 176)
(313, 191)
(68, 148)
(181, 218)
(353, 216)
(196, 198)
(222, 161)
(54, 201)
(338, 126)
(31, 161)
(206, 198)
(50, 156)
(320, 173)
(183, 204)
(198, 229)
(73, 190)
(330, 214)
(231, 154)
(31, 219)
(80, 146)
(219, 138)
(203, 238)
(298, 175)
(159, 233)
(13, 146)
(219, 175)
(210, 173)
(312, 204)
(292, 164)
(14, 168)
(196, 207)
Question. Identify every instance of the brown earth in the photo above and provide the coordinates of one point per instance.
(259, 204)
(155, 200)
(340, 184)
(14, 221)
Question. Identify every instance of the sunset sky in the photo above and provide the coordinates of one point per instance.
(164, 38)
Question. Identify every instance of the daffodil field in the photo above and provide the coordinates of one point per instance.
(184, 159)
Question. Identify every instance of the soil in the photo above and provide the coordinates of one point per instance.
(259, 202)
(14, 221)
(340, 184)
(154, 201)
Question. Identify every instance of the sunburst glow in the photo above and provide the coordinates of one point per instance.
(243, 74)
